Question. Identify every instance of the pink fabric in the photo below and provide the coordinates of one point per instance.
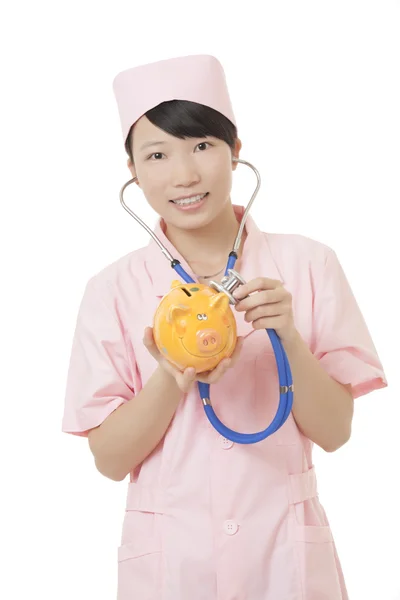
(198, 78)
(206, 518)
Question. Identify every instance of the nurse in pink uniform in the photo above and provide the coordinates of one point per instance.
(208, 519)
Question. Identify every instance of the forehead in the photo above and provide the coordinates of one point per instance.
(144, 127)
(145, 133)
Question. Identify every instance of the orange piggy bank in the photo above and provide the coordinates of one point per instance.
(194, 326)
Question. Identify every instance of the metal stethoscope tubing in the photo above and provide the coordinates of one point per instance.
(163, 249)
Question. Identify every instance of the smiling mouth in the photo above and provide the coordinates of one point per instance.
(201, 355)
(190, 200)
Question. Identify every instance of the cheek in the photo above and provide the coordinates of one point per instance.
(220, 175)
(217, 168)
(153, 186)
(224, 182)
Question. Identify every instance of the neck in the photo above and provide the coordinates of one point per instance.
(206, 249)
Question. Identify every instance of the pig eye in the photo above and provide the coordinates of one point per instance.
(204, 317)
(200, 317)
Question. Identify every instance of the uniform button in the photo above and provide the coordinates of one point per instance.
(230, 527)
(225, 443)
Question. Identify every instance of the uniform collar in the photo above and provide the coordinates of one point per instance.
(256, 261)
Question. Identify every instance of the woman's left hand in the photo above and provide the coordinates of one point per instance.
(269, 308)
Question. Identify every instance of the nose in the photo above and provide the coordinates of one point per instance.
(208, 340)
(185, 174)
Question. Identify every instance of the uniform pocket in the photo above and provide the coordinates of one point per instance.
(319, 573)
(133, 550)
(139, 555)
(139, 571)
(317, 563)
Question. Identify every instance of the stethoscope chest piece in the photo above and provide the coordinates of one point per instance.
(229, 284)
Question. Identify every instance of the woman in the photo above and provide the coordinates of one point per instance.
(206, 518)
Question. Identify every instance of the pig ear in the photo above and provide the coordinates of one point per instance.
(220, 302)
(176, 312)
(175, 284)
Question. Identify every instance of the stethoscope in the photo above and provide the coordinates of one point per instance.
(228, 285)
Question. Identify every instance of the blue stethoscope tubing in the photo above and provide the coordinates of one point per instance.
(284, 376)
(282, 363)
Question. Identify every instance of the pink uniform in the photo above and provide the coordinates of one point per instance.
(207, 519)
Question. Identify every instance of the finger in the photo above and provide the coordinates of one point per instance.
(148, 341)
(189, 374)
(223, 366)
(186, 379)
(213, 376)
(236, 353)
(148, 338)
(260, 283)
(269, 323)
(266, 310)
(262, 297)
(237, 349)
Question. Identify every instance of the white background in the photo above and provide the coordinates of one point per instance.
(315, 88)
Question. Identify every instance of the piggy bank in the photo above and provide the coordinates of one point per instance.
(194, 326)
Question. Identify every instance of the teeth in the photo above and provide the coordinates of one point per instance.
(191, 200)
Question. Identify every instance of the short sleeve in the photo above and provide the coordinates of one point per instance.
(100, 371)
(341, 340)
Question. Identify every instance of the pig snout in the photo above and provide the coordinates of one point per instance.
(208, 341)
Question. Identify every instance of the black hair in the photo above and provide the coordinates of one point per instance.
(184, 119)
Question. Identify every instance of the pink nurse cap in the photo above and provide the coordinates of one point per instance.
(198, 78)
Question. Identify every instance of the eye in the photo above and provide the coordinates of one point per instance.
(200, 317)
(204, 317)
(204, 145)
(158, 154)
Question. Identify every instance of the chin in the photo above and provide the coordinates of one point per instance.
(192, 222)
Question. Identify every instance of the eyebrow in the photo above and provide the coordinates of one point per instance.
(148, 144)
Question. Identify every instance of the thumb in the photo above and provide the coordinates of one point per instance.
(239, 344)
(148, 341)
(237, 350)
(190, 373)
(189, 376)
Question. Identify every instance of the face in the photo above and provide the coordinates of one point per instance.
(186, 181)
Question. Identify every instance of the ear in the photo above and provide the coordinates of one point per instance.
(176, 283)
(236, 152)
(177, 311)
(132, 169)
(220, 302)
(176, 317)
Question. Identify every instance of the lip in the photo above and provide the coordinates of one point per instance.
(188, 196)
(191, 207)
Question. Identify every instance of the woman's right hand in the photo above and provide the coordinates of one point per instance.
(185, 379)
